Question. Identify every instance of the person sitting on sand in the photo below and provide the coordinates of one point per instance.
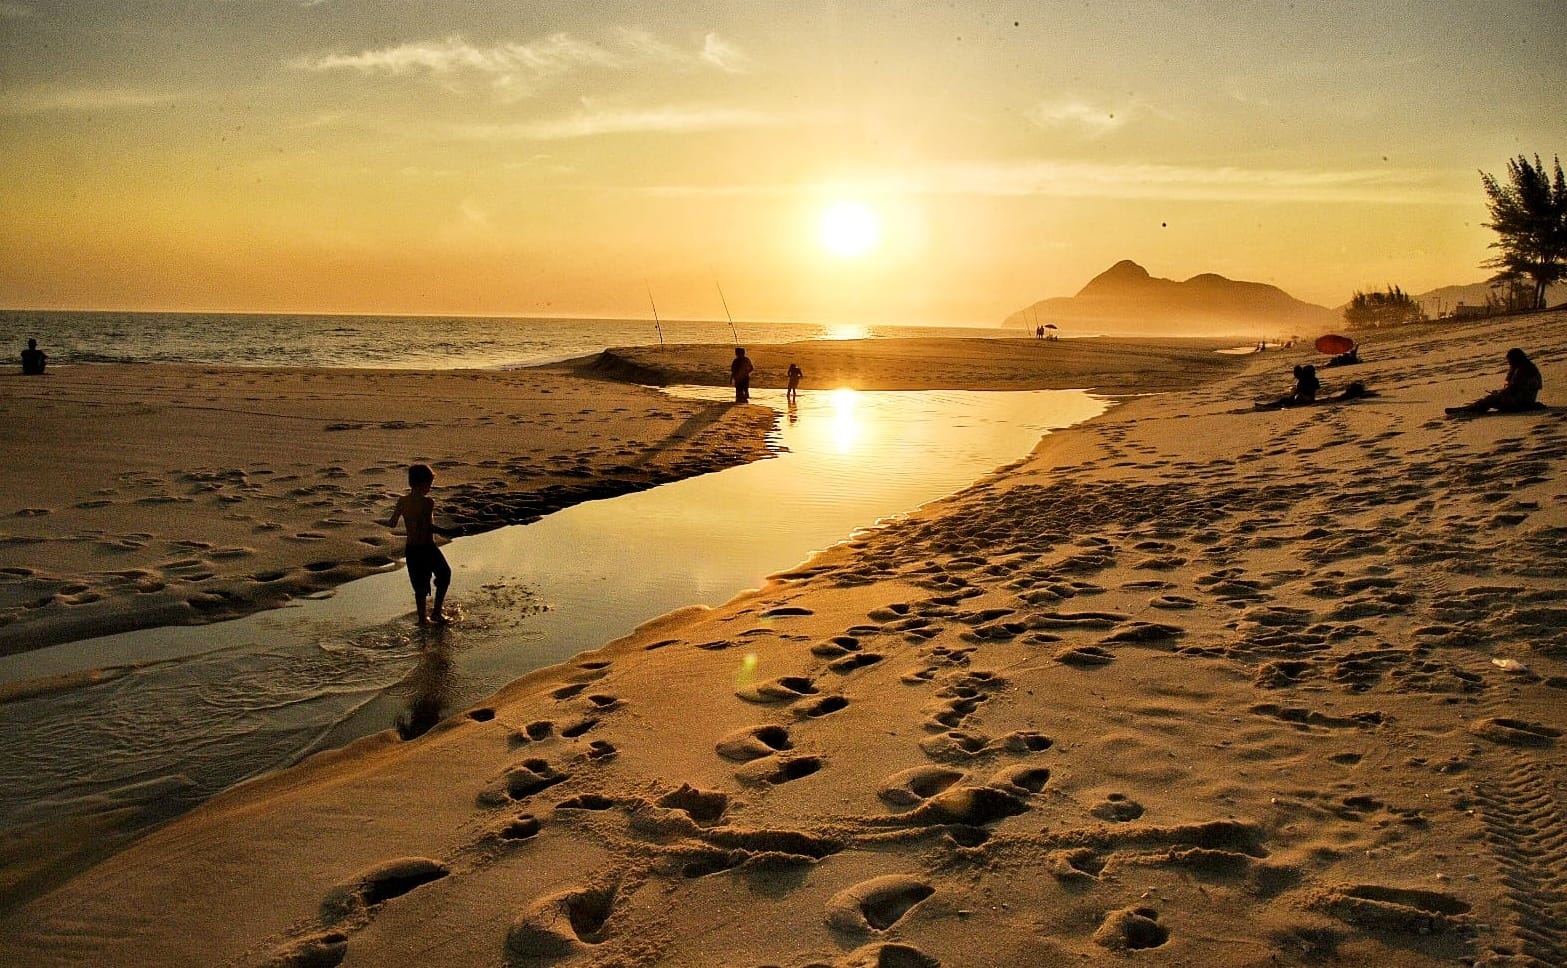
(33, 359)
(424, 558)
(1517, 394)
(795, 373)
(1306, 387)
(1347, 358)
(740, 376)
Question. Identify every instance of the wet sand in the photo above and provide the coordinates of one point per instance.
(1191, 684)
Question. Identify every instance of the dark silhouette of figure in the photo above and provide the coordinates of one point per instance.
(425, 560)
(793, 391)
(740, 375)
(1345, 359)
(1039, 332)
(33, 359)
(1306, 387)
(1517, 394)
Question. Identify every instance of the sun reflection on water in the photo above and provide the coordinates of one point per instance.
(846, 424)
(845, 331)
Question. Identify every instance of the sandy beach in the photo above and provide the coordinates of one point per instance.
(1190, 685)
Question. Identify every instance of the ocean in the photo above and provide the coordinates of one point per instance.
(392, 342)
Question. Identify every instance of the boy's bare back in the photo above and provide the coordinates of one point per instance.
(418, 514)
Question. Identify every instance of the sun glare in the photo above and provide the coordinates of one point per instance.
(850, 229)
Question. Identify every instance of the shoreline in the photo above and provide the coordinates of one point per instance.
(1193, 678)
(275, 483)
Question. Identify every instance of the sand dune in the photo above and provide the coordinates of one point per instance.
(1190, 685)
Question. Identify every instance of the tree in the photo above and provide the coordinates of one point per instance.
(1391, 307)
(1529, 214)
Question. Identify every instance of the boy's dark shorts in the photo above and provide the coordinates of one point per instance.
(425, 561)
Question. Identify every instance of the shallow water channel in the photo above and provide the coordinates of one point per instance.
(170, 716)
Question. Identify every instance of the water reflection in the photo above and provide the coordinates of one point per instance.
(323, 672)
(431, 685)
(845, 423)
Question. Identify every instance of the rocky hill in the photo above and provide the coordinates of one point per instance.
(1126, 299)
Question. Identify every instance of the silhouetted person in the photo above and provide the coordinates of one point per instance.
(1306, 387)
(1345, 359)
(740, 376)
(1517, 394)
(33, 359)
(425, 560)
(793, 391)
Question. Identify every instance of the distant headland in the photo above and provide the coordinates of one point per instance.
(1126, 299)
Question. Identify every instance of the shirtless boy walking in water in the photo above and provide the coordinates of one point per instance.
(424, 558)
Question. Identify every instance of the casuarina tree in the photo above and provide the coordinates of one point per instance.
(1529, 214)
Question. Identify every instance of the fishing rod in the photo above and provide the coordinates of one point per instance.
(656, 324)
(726, 313)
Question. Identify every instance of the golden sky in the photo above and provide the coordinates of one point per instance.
(557, 157)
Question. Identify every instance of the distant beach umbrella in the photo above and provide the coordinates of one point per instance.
(1050, 325)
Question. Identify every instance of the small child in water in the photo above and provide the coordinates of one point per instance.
(424, 558)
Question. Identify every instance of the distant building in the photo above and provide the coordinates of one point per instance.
(1466, 311)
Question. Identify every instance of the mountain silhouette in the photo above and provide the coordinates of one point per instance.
(1126, 299)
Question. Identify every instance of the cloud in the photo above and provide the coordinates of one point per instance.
(664, 120)
(49, 100)
(1096, 121)
(1053, 179)
(1186, 183)
(520, 67)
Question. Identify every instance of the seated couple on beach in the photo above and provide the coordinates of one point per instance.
(1307, 386)
(1517, 394)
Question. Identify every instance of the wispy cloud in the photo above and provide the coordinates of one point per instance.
(1137, 181)
(520, 66)
(1080, 115)
(48, 100)
(591, 123)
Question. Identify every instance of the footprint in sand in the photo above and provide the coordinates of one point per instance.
(877, 904)
(1130, 929)
(912, 786)
(1514, 732)
(1085, 655)
(706, 807)
(562, 924)
(532, 776)
(1402, 910)
(780, 690)
(779, 770)
(358, 896)
(754, 743)
(1118, 808)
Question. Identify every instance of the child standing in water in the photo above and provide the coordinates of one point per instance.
(425, 560)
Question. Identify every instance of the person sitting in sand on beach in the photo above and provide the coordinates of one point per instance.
(1306, 387)
(795, 373)
(424, 558)
(740, 375)
(1517, 394)
(33, 359)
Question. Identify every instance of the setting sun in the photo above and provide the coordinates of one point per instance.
(850, 229)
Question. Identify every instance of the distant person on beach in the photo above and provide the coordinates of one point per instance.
(425, 560)
(33, 359)
(740, 375)
(1306, 387)
(1345, 359)
(1517, 394)
(793, 392)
